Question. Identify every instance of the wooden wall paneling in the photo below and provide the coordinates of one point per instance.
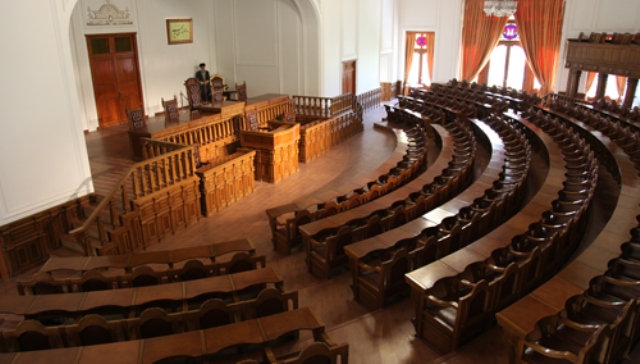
(162, 208)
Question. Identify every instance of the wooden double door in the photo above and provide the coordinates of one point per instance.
(116, 75)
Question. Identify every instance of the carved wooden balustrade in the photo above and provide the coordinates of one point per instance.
(319, 136)
(270, 110)
(323, 107)
(371, 99)
(114, 226)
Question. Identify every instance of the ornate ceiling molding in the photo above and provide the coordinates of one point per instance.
(108, 14)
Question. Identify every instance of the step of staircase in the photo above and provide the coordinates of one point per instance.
(65, 252)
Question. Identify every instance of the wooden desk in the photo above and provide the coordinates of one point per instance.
(276, 151)
(77, 304)
(195, 344)
(132, 260)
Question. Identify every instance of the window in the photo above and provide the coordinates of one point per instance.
(611, 91)
(420, 67)
(507, 66)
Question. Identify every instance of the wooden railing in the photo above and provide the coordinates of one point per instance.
(142, 179)
(323, 107)
(370, 99)
(319, 136)
(271, 111)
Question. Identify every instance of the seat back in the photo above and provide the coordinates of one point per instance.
(193, 93)
(93, 330)
(214, 312)
(32, 335)
(144, 276)
(171, 109)
(217, 82)
(241, 88)
(154, 322)
(136, 118)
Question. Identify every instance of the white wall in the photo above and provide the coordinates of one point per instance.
(43, 158)
(444, 17)
(164, 67)
(621, 16)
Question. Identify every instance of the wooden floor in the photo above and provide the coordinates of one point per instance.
(382, 336)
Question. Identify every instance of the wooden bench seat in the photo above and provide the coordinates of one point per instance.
(250, 335)
(94, 329)
(94, 280)
(135, 259)
(447, 228)
(401, 167)
(128, 302)
(577, 277)
(534, 257)
(399, 207)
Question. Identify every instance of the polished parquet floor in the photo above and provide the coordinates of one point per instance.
(382, 336)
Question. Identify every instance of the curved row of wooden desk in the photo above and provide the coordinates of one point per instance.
(549, 299)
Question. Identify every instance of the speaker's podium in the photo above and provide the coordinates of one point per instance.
(276, 150)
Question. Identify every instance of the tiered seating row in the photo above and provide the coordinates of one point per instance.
(130, 302)
(250, 339)
(45, 283)
(326, 239)
(596, 296)
(135, 259)
(459, 294)
(518, 100)
(379, 264)
(404, 164)
(319, 136)
(94, 329)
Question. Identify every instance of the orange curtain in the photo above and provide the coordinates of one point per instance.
(621, 82)
(540, 26)
(431, 40)
(591, 76)
(480, 35)
(410, 49)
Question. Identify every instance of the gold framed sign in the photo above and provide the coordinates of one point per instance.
(180, 30)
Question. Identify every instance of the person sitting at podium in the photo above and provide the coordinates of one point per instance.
(203, 77)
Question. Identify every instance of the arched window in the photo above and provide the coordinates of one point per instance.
(507, 66)
(420, 65)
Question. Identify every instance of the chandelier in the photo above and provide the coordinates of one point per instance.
(500, 8)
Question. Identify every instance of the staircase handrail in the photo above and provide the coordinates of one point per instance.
(93, 217)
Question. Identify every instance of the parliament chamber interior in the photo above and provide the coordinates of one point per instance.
(478, 205)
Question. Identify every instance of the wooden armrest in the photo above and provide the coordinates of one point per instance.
(442, 303)
(368, 268)
(557, 354)
(465, 282)
(318, 243)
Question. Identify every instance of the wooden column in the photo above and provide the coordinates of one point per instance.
(572, 83)
(632, 84)
(602, 85)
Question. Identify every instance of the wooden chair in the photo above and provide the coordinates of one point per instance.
(217, 97)
(144, 276)
(153, 322)
(212, 313)
(93, 330)
(242, 262)
(272, 301)
(241, 89)
(464, 311)
(193, 269)
(566, 341)
(31, 335)
(95, 281)
(379, 282)
(136, 118)
(217, 82)
(171, 109)
(323, 257)
(193, 93)
(42, 283)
